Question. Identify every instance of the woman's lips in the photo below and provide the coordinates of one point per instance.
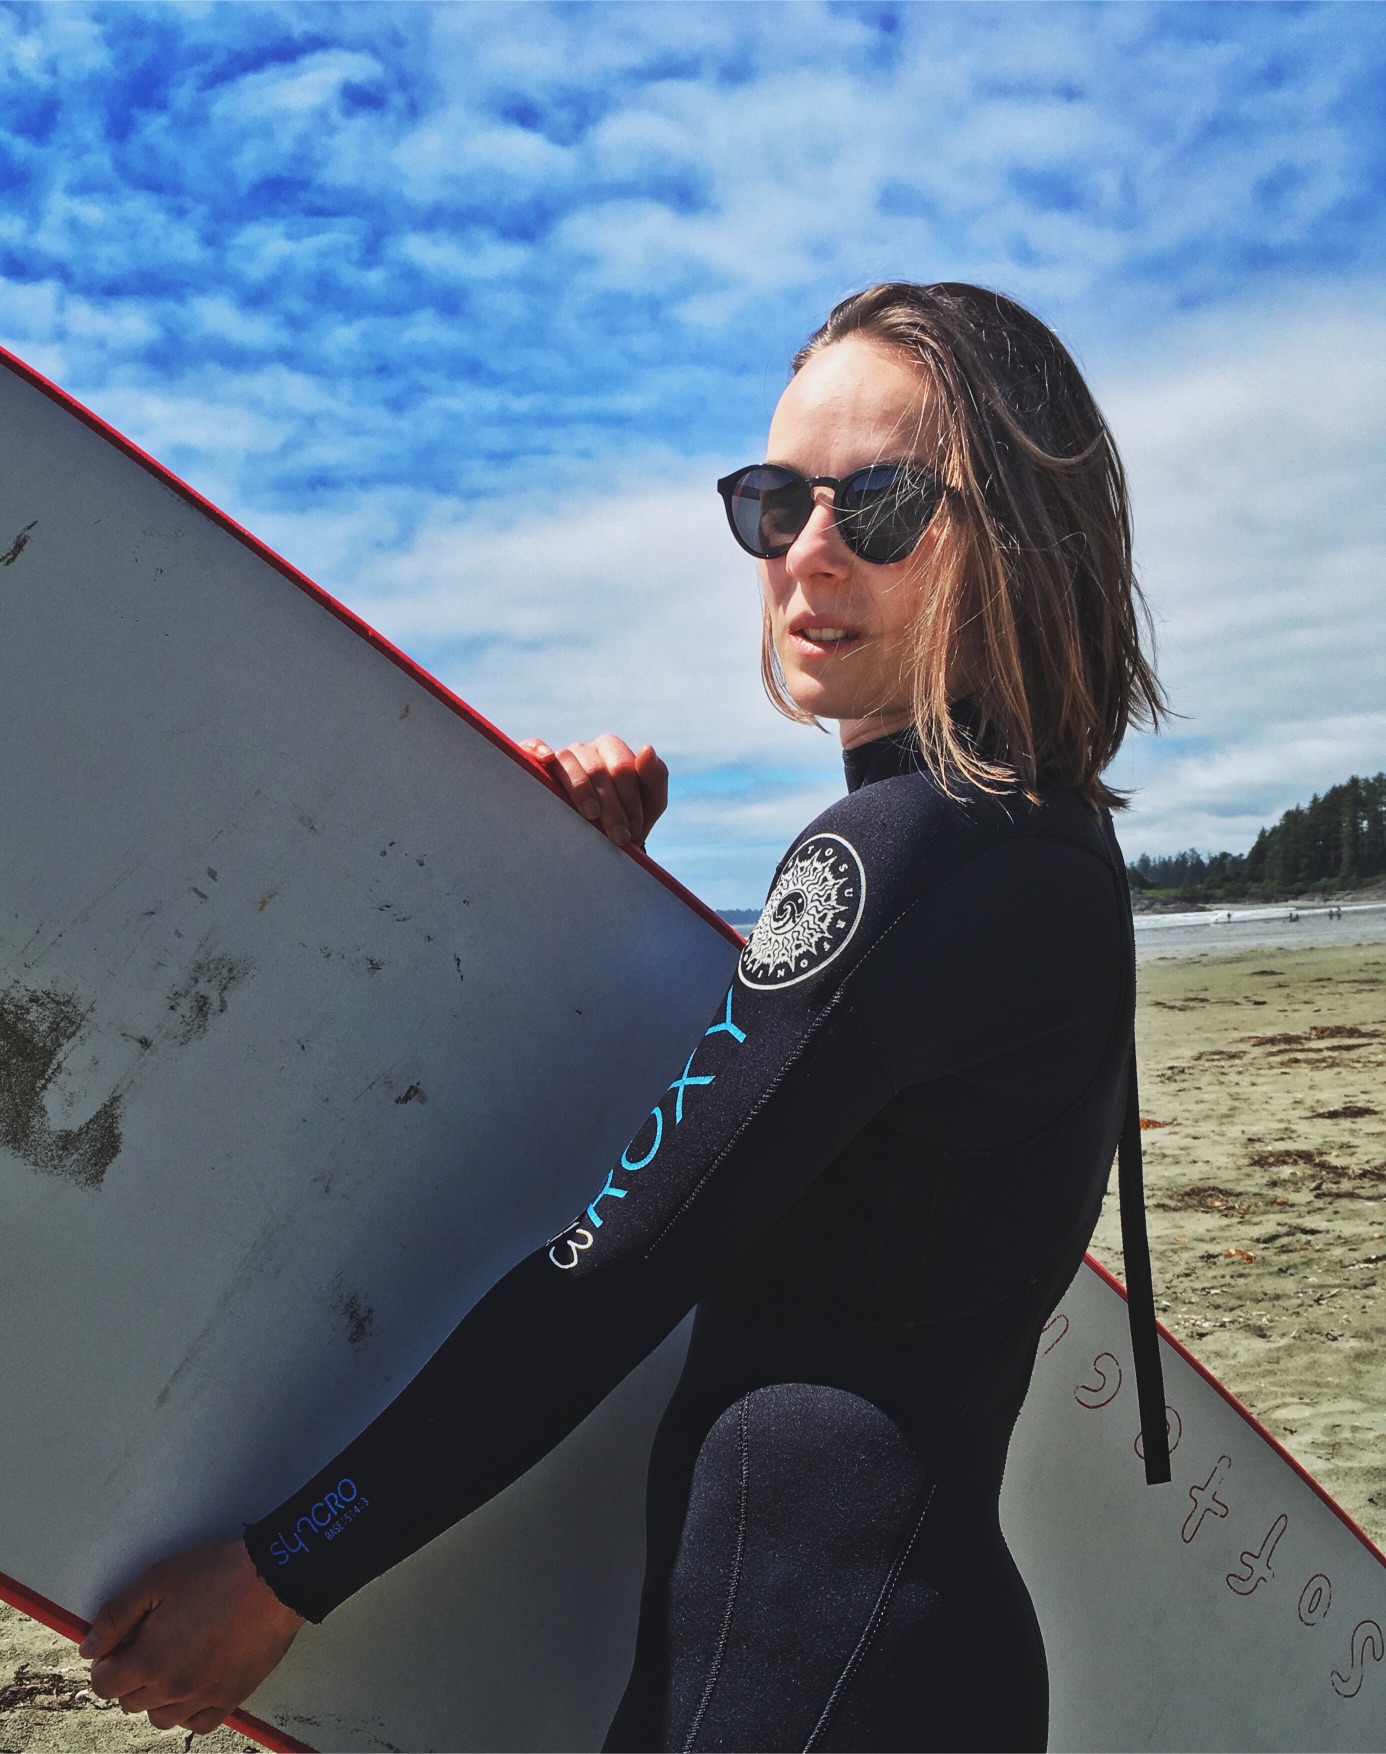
(821, 638)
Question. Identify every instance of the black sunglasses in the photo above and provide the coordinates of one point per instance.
(882, 510)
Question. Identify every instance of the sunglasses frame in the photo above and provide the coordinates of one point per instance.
(843, 514)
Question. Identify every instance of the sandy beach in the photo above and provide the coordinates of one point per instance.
(1263, 1056)
(46, 1706)
(1266, 1185)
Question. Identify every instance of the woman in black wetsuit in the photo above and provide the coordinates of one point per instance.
(884, 1157)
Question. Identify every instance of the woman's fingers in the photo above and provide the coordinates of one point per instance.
(202, 1723)
(116, 1621)
(654, 785)
(539, 749)
(618, 791)
(168, 1718)
(568, 772)
(180, 1715)
(579, 783)
(210, 1631)
(183, 1716)
(610, 764)
(118, 1674)
(567, 769)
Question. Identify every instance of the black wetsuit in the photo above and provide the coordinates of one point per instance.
(875, 1177)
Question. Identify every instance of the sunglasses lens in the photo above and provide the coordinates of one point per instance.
(884, 511)
(768, 507)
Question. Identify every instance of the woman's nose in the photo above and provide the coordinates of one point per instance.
(818, 549)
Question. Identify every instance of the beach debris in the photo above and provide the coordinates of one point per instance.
(1328, 1171)
(1240, 1255)
(45, 1690)
(1345, 1172)
(1224, 1200)
(1147, 1123)
(1318, 1032)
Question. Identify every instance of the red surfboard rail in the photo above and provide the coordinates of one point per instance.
(454, 702)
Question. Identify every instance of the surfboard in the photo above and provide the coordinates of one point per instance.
(318, 1010)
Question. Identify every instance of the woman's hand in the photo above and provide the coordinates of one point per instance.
(620, 790)
(191, 1639)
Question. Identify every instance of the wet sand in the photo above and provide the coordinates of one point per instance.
(1263, 1055)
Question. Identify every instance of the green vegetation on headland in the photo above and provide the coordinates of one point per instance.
(1334, 842)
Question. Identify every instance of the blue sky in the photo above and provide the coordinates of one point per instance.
(464, 308)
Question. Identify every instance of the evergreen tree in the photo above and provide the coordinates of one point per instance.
(1337, 838)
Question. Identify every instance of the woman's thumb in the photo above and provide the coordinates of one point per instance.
(114, 1623)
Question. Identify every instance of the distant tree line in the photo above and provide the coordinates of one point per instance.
(1332, 842)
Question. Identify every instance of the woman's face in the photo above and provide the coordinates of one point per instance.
(841, 625)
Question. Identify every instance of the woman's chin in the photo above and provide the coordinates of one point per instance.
(818, 701)
(823, 695)
(844, 706)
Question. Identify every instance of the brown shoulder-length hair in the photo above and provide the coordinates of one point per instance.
(1031, 610)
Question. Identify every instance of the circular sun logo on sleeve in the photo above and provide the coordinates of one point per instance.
(809, 915)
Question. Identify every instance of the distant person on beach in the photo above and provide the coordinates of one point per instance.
(928, 1040)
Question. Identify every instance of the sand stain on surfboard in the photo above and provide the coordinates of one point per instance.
(36, 1027)
(17, 547)
(203, 995)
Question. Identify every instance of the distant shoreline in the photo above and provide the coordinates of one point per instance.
(1365, 895)
(1285, 910)
(1218, 933)
(1157, 913)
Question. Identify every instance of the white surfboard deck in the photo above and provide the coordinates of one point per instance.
(1235, 1608)
(319, 1011)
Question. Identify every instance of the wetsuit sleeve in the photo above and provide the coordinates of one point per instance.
(560, 1330)
(787, 1072)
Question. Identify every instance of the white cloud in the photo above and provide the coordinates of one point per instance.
(1256, 444)
(1218, 800)
(631, 605)
(626, 608)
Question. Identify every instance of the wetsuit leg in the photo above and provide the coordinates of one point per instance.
(817, 1593)
(958, 1661)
